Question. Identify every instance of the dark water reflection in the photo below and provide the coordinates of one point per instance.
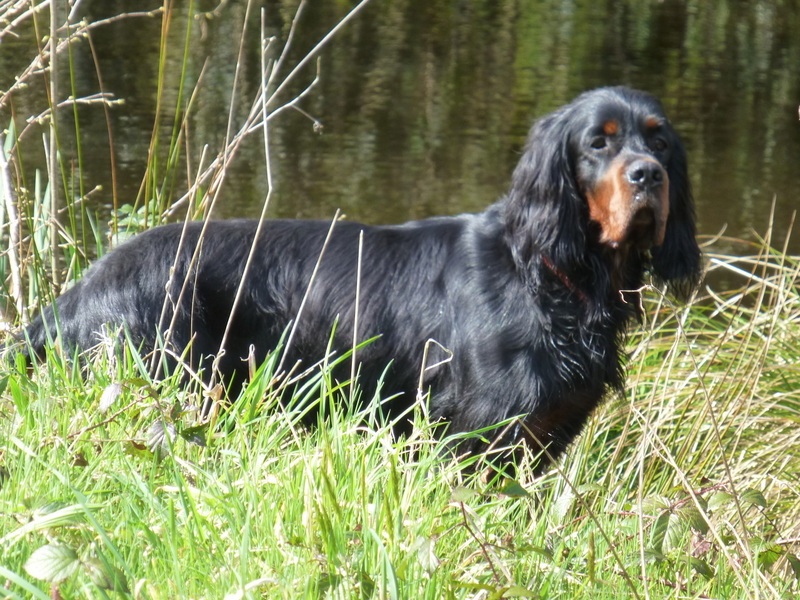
(425, 104)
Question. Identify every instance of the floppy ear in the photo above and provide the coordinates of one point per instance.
(543, 209)
(677, 262)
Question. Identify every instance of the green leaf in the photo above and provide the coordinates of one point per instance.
(426, 554)
(768, 555)
(676, 533)
(195, 435)
(754, 497)
(701, 567)
(49, 516)
(389, 584)
(562, 505)
(53, 563)
(588, 488)
(462, 494)
(693, 518)
(513, 489)
(718, 500)
(106, 576)
(109, 396)
(160, 436)
(650, 555)
(655, 504)
(517, 591)
(659, 531)
(794, 561)
(21, 399)
(11, 138)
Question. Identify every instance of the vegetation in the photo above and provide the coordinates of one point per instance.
(687, 487)
(111, 484)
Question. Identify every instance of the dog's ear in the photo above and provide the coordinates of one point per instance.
(543, 208)
(677, 262)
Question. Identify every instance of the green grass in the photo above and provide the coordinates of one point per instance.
(687, 486)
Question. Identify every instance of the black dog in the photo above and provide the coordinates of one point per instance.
(531, 296)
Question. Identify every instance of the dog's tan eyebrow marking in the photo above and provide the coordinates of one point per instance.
(653, 122)
(610, 127)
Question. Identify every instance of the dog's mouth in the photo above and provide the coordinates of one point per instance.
(631, 213)
(642, 231)
(642, 228)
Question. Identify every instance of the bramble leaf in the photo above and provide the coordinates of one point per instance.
(53, 563)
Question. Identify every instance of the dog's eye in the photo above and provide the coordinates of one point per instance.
(659, 144)
(599, 142)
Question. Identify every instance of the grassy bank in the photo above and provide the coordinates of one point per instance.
(685, 487)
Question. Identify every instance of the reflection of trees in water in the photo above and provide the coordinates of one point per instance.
(435, 100)
(425, 104)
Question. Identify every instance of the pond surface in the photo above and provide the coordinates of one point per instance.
(423, 106)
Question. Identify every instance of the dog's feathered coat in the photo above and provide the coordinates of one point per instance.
(529, 295)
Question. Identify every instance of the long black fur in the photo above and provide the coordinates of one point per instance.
(524, 294)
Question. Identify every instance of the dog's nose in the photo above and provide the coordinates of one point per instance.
(645, 174)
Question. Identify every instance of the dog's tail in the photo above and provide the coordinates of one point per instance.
(32, 340)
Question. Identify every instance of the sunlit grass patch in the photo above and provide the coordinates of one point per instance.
(687, 485)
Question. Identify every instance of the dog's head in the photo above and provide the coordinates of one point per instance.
(607, 172)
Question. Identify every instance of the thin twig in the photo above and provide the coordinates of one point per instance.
(308, 290)
(216, 173)
(353, 362)
(254, 245)
(13, 230)
(484, 549)
(109, 130)
(22, 16)
(287, 46)
(44, 59)
(316, 49)
(52, 163)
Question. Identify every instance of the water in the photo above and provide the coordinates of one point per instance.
(424, 105)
